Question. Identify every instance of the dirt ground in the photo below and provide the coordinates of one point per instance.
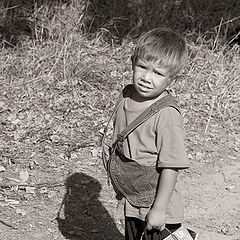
(62, 193)
(82, 205)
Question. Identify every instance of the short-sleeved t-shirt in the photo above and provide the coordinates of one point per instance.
(159, 142)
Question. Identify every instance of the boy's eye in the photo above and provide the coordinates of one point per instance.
(158, 73)
(141, 66)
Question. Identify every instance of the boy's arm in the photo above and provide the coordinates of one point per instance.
(156, 218)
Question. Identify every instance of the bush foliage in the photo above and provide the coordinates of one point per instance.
(116, 19)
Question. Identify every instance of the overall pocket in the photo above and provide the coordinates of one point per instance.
(136, 182)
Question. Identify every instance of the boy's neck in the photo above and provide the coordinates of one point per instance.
(139, 99)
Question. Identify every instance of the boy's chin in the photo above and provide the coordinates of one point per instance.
(146, 95)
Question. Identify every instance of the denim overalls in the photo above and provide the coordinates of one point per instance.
(137, 183)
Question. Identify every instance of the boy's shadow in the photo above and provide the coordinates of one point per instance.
(82, 216)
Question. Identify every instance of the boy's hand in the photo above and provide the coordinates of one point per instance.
(157, 216)
(156, 219)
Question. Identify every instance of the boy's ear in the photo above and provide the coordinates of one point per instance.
(132, 58)
(133, 63)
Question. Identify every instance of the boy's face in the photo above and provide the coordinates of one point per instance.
(149, 79)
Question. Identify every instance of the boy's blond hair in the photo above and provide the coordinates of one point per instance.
(163, 47)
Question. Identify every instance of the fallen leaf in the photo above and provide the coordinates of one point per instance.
(2, 104)
(43, 190)
(2, 169)
(94, 152)
(55, 138)
(21, 212)
(14, 188)
(24, 175)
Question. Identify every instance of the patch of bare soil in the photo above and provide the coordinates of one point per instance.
(74, 206)
(76, 203)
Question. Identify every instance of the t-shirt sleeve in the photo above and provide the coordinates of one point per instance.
(172, 151)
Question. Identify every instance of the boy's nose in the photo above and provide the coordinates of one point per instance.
(147, 77)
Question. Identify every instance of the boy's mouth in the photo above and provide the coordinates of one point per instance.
(142, 86)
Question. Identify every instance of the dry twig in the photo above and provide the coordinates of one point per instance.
(39, 185)
(8, 224)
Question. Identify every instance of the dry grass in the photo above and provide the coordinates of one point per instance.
(60, 93)
(215, 73)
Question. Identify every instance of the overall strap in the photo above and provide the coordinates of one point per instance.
(167, 101)
(126, 92)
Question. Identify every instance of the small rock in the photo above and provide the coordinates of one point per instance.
(51, 230)
(52, 194)
(21, 212)
(2, 104)
(229, 188)
(30, 190)
(74, 155)
(199, 156)
(55, 138)
(95, 152)
(224, 230)
(2, 169)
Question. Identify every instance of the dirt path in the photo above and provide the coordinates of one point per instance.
(212, 202)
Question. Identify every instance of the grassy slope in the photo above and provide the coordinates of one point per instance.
(56, 95)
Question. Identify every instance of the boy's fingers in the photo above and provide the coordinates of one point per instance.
(162, 228)
(149, 226)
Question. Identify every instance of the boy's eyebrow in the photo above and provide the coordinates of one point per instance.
(139, 61)
(162, 70)
(159, 72)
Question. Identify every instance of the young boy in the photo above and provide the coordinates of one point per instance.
(145, 160)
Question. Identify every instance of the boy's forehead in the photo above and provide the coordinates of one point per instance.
(153, 64)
